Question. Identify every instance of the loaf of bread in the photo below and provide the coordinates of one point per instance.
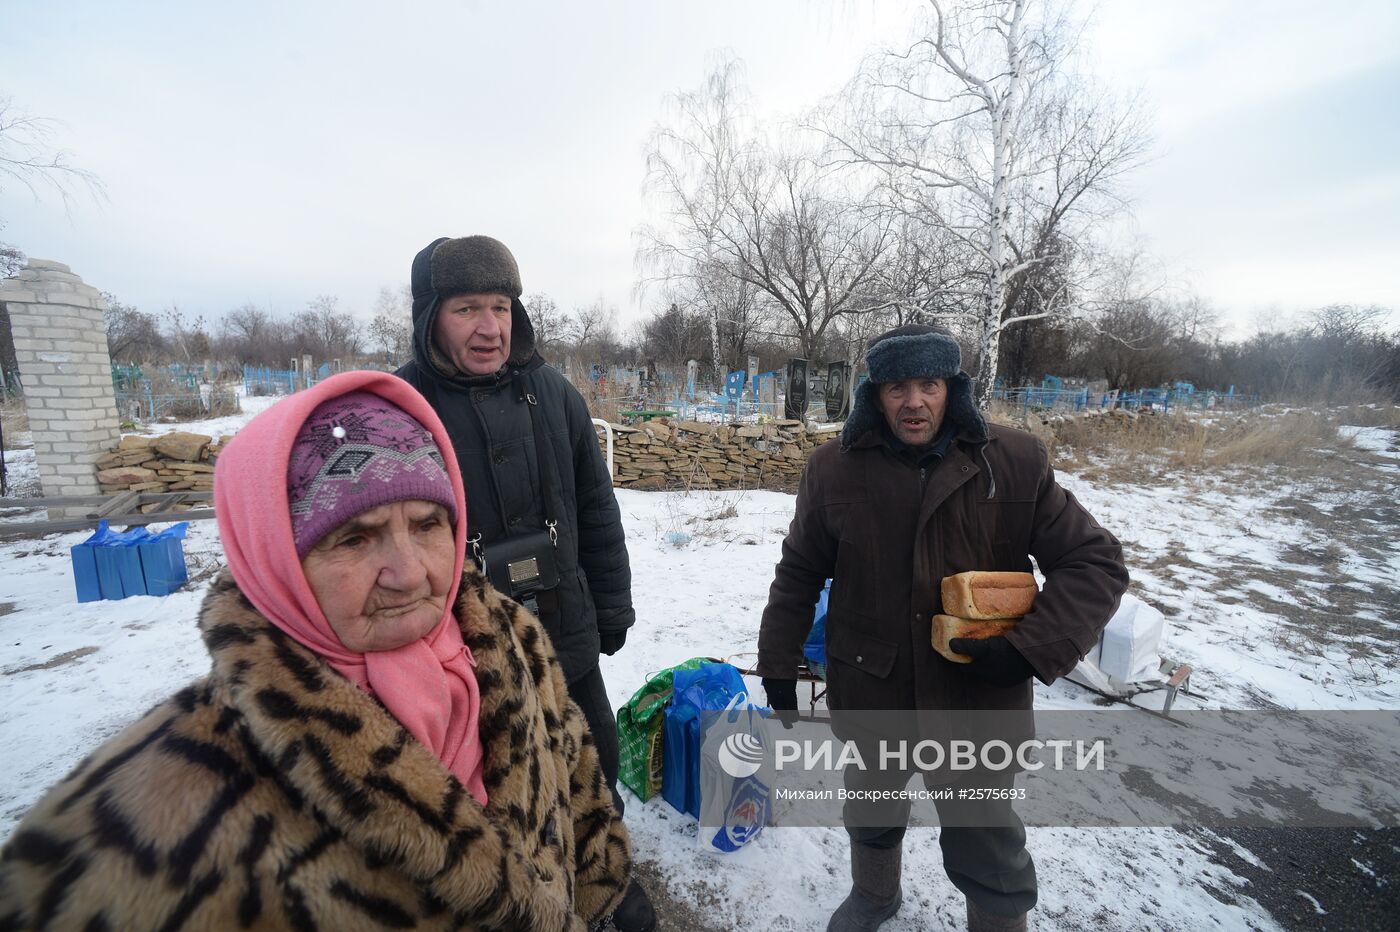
(979, 595)
(947, 627)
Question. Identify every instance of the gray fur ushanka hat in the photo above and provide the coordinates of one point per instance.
(914, 351)
(472, 263)
(476, 264)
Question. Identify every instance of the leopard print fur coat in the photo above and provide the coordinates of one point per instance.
(274, 794)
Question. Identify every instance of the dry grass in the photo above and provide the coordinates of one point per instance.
(605, 406)
(690, 518)
(1297, 438)
(14, 416)
(999, 413)
(723, 512)
(1373, 415)
(1129, 436)
(608, 409)
(1292, 439)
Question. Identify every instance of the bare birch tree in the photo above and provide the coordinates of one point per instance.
(692, 170)
(28, 156)
(737, 210)
(981, 132)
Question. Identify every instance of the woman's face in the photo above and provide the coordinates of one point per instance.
(382, 577)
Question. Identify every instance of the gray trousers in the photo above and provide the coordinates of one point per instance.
(983, 841)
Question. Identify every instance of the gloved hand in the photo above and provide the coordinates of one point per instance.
(611, 641)
(995, 660)
(782, 699)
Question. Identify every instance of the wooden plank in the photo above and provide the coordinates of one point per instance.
(174, 499)
(20, 529)
(119, 504)
(60, 501)
(117, 510)
(189, 495)
(76, 501)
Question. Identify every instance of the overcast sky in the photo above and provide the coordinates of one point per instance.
(273, 152)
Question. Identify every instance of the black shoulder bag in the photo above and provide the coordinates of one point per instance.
(523, 566)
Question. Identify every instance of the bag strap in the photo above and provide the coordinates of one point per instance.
(542, 454)
(733, 707)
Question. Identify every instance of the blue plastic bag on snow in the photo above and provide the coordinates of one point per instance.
(708, 688)
(680, 739)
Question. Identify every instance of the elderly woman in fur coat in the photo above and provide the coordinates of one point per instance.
(383, 740)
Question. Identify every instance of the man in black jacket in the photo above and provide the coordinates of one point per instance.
(536, 481)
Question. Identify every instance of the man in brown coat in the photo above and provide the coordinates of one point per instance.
(919, 487)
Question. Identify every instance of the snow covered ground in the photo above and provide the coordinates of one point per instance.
(1279, 590)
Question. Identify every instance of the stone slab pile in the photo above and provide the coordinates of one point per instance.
(666, 454)
(662, 454)
(174, 462)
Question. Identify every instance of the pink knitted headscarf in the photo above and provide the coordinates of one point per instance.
(428, 685)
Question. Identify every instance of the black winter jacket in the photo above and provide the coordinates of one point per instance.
(511, 488)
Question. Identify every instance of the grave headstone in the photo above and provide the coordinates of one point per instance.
(795, 406)
(838, 393)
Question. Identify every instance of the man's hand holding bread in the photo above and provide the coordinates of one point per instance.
(980, 607)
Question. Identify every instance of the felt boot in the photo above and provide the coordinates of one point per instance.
(875, 893)
(979, 920)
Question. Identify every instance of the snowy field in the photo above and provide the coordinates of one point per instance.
(1279, 590)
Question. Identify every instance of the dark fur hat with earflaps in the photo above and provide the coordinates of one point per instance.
(475, 264)
(914, 351)
(467, 264)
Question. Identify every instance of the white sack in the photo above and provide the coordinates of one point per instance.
(1126, 658)
(1129, 649)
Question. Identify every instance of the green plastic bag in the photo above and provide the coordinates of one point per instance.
(639, 731)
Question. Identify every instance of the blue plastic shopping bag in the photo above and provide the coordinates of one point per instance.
(678, 760)
(708, 688)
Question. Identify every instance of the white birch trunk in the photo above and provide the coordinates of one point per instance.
(1004, 114)
(714, 341)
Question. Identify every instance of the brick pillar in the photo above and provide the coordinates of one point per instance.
(66, 372)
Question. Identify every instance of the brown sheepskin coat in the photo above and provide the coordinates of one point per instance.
(274, 794)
